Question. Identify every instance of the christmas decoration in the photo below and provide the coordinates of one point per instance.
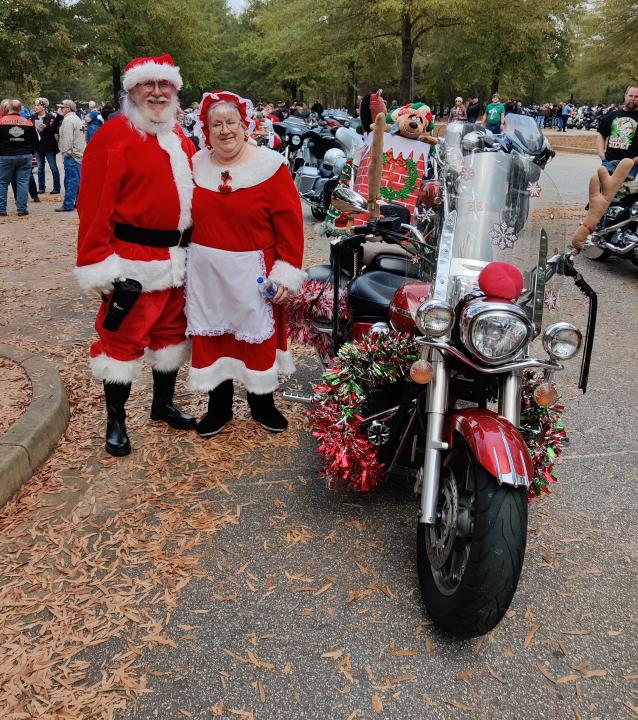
(389, 162)
(501, 280)
(476, 206)
(544, 434)
(225, 187)
(349, 452)
(534, 189)
(551, 298)
(467, 173)
(348, 455)
(313, 300)
(503, 236)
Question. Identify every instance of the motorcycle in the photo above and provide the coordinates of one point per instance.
(453, 424)
(328, 172)
(616, 235)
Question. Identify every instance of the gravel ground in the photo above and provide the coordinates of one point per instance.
(305, 606)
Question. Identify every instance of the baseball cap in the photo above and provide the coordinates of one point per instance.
(68, 103)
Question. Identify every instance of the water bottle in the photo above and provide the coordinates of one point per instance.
(266, 287)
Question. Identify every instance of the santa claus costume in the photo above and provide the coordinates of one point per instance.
(135, 218)
(247, 223)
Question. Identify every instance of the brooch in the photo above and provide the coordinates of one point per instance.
(225, 188)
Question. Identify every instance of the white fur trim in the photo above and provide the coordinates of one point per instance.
(254, 171)
(172, 146)
(99, 274)
(169, 358)
(121, 372)
(155, 274)
(259, 382)
(288, 275)
(149, 71)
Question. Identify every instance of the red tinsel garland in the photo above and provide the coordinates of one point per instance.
(308, 303)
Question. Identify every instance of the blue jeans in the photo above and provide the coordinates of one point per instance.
(494, 127)
(611, 165)
(564, 119)
(49, 156)
(540, 121)
(18, 167)
(71, 182)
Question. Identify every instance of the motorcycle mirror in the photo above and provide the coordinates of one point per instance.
(347, 200)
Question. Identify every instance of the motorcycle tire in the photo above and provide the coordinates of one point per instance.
(471, 591)
(318, 213)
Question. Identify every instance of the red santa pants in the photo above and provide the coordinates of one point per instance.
(155, 327)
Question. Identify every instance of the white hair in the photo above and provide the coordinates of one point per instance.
(226, 106)
(140, 122)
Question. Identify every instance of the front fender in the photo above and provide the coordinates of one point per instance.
(495, 443)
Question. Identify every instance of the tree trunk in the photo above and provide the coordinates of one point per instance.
(352, 87)
(116, 73)
(496, 79)
(407, 60)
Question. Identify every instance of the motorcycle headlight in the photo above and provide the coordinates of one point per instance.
(634, 210)
(562, 340)
(295, 140)
(494, 332)
(434, 318)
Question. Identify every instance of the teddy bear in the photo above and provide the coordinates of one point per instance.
(406, 144)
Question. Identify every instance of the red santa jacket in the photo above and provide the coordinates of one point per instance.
(133, 178)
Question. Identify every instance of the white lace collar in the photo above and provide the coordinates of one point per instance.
(254, 171)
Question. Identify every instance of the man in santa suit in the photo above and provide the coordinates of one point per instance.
(135, 220)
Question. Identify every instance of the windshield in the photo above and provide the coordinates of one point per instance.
(526, 131)
(504, 208)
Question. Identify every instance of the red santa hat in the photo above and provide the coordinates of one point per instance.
(210, 99)
(148, 69)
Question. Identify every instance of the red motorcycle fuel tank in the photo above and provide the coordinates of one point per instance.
(405, 303)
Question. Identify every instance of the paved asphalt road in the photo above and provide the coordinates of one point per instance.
(321, 587)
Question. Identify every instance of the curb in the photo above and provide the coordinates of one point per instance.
(29, 441)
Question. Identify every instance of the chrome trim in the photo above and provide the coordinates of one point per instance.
(383, 415)
(445, 347)
(436, 409)
(552, 330)
(511, 478)
(401, 311)
(618, 250)
(611, 228)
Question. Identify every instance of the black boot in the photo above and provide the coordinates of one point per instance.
(163, 407)
(220, 410)
(116, 395)
(263, 410)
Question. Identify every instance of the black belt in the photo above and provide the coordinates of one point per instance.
(153, 238)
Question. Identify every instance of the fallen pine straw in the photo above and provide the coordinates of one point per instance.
(15, 393)
(95, 549)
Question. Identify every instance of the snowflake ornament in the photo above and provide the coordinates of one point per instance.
(467, 173)
(476, 207)
(503, 236)
(534, 189)
(428, 214)
(551, 299)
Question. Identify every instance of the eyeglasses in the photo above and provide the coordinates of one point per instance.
(230, 125)
(161, 84)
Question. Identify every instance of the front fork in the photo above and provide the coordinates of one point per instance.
(436, 409)
(509, 404)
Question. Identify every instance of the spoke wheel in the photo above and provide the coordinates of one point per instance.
(469, 563)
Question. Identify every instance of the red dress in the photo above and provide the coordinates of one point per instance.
(256, 229)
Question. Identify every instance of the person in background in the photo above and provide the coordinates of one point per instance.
(619, 130)
(317, 108)
(71, 144)
(473, 110)
(494, 117)
(107, 110)
(93, 120)
(47, 148)
(566, 113)
(458, 112)
(18, 139)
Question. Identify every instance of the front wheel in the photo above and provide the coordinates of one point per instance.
(469, 563)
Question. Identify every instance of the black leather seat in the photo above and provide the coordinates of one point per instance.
(370, 294)
(322, 273)
(397, 264)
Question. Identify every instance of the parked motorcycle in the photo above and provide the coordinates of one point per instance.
(455, 430)
(617, 232)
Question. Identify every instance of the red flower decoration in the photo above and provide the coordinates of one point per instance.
(225, 188)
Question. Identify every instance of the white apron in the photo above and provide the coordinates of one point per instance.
(222, 296)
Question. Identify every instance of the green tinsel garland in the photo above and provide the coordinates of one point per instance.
(390, 194)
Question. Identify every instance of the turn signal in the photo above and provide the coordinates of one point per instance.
(545, 395)
(421, 372)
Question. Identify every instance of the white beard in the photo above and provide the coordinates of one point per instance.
(140, 120)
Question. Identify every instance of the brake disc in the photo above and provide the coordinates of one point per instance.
(440, 538)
